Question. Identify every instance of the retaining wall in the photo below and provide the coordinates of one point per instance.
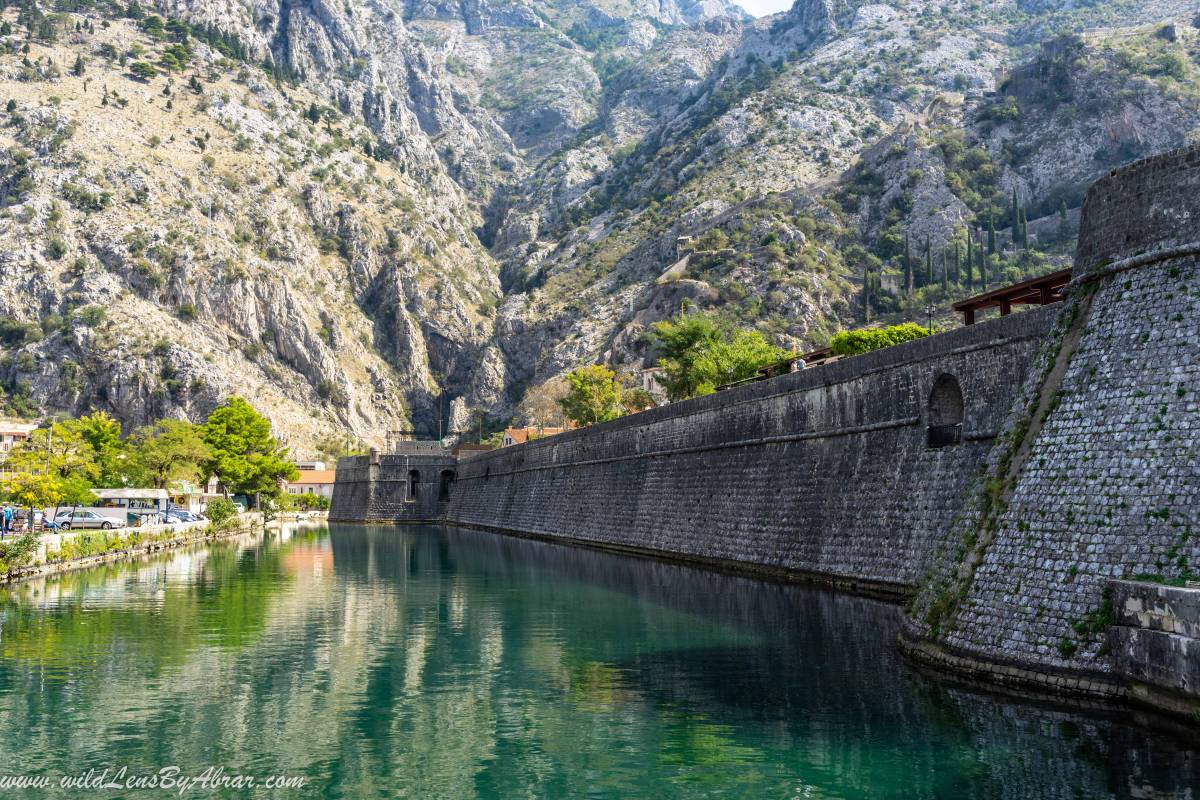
(824, 473)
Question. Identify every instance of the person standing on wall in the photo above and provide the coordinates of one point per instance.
(6, 521)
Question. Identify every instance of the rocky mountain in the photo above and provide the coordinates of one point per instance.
(373, 215)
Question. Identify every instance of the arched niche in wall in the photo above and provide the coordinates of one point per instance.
(946, 410)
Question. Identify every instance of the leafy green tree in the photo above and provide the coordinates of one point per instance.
(735, 358)
(242, 452)
(170, 450)
(636, 400)
(31, 491)
(109, 451)
(697, 354)
(152, 24)
(59, 451)
(594, 395)
(679, 342)
(79, 67)
(219, 510)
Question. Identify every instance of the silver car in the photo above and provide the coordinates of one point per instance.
(86, 519)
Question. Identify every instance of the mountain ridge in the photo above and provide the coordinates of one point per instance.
(406, 223)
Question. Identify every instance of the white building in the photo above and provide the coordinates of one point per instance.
(314, 481)
(12, 432)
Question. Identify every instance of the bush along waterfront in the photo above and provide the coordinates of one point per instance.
(19, 557)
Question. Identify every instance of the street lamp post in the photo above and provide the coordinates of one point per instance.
(929, 310)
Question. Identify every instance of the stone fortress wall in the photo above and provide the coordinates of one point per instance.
(1109, 485)
(412, 485)
(824, 473)
(1075, 469)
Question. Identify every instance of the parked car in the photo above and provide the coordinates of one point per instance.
(179, 515)
(67, 520)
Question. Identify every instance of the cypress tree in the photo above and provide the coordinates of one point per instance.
(970, 271)
(928, 262)
(980, 263)
(1016, 213)
(908, 270)
(991, 235)
(957, 274)
(866, 297)
(945, 271)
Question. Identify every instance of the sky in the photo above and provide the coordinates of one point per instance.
(762, 7)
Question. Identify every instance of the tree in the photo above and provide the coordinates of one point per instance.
(220, 510)
(59, 451)
(970, 271)
(78, 69)
(103, 435)
(143, 70)
(866, 297)
(983, 276)
(636, 400)
(242, 452)
(908, 267)
(735, 358)
(593, 395)
(542, 407)
(170, 450)
(697, 354)
(928, 262)
(30, 490)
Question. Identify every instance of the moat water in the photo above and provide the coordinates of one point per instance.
(429, 663)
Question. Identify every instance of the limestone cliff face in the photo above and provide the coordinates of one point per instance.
(441, 205)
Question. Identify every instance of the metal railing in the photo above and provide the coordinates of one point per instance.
(944, 435)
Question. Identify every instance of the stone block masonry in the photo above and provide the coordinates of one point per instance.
(1111, 485)
(409, 486)
(1155, 641)
(825, 473)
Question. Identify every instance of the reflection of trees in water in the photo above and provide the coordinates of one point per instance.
(467, 664)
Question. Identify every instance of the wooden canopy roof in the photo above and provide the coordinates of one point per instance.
(1034, 291)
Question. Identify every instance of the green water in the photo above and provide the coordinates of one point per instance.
(383, 662)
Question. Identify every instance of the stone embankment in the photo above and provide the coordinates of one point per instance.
(135, 542)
